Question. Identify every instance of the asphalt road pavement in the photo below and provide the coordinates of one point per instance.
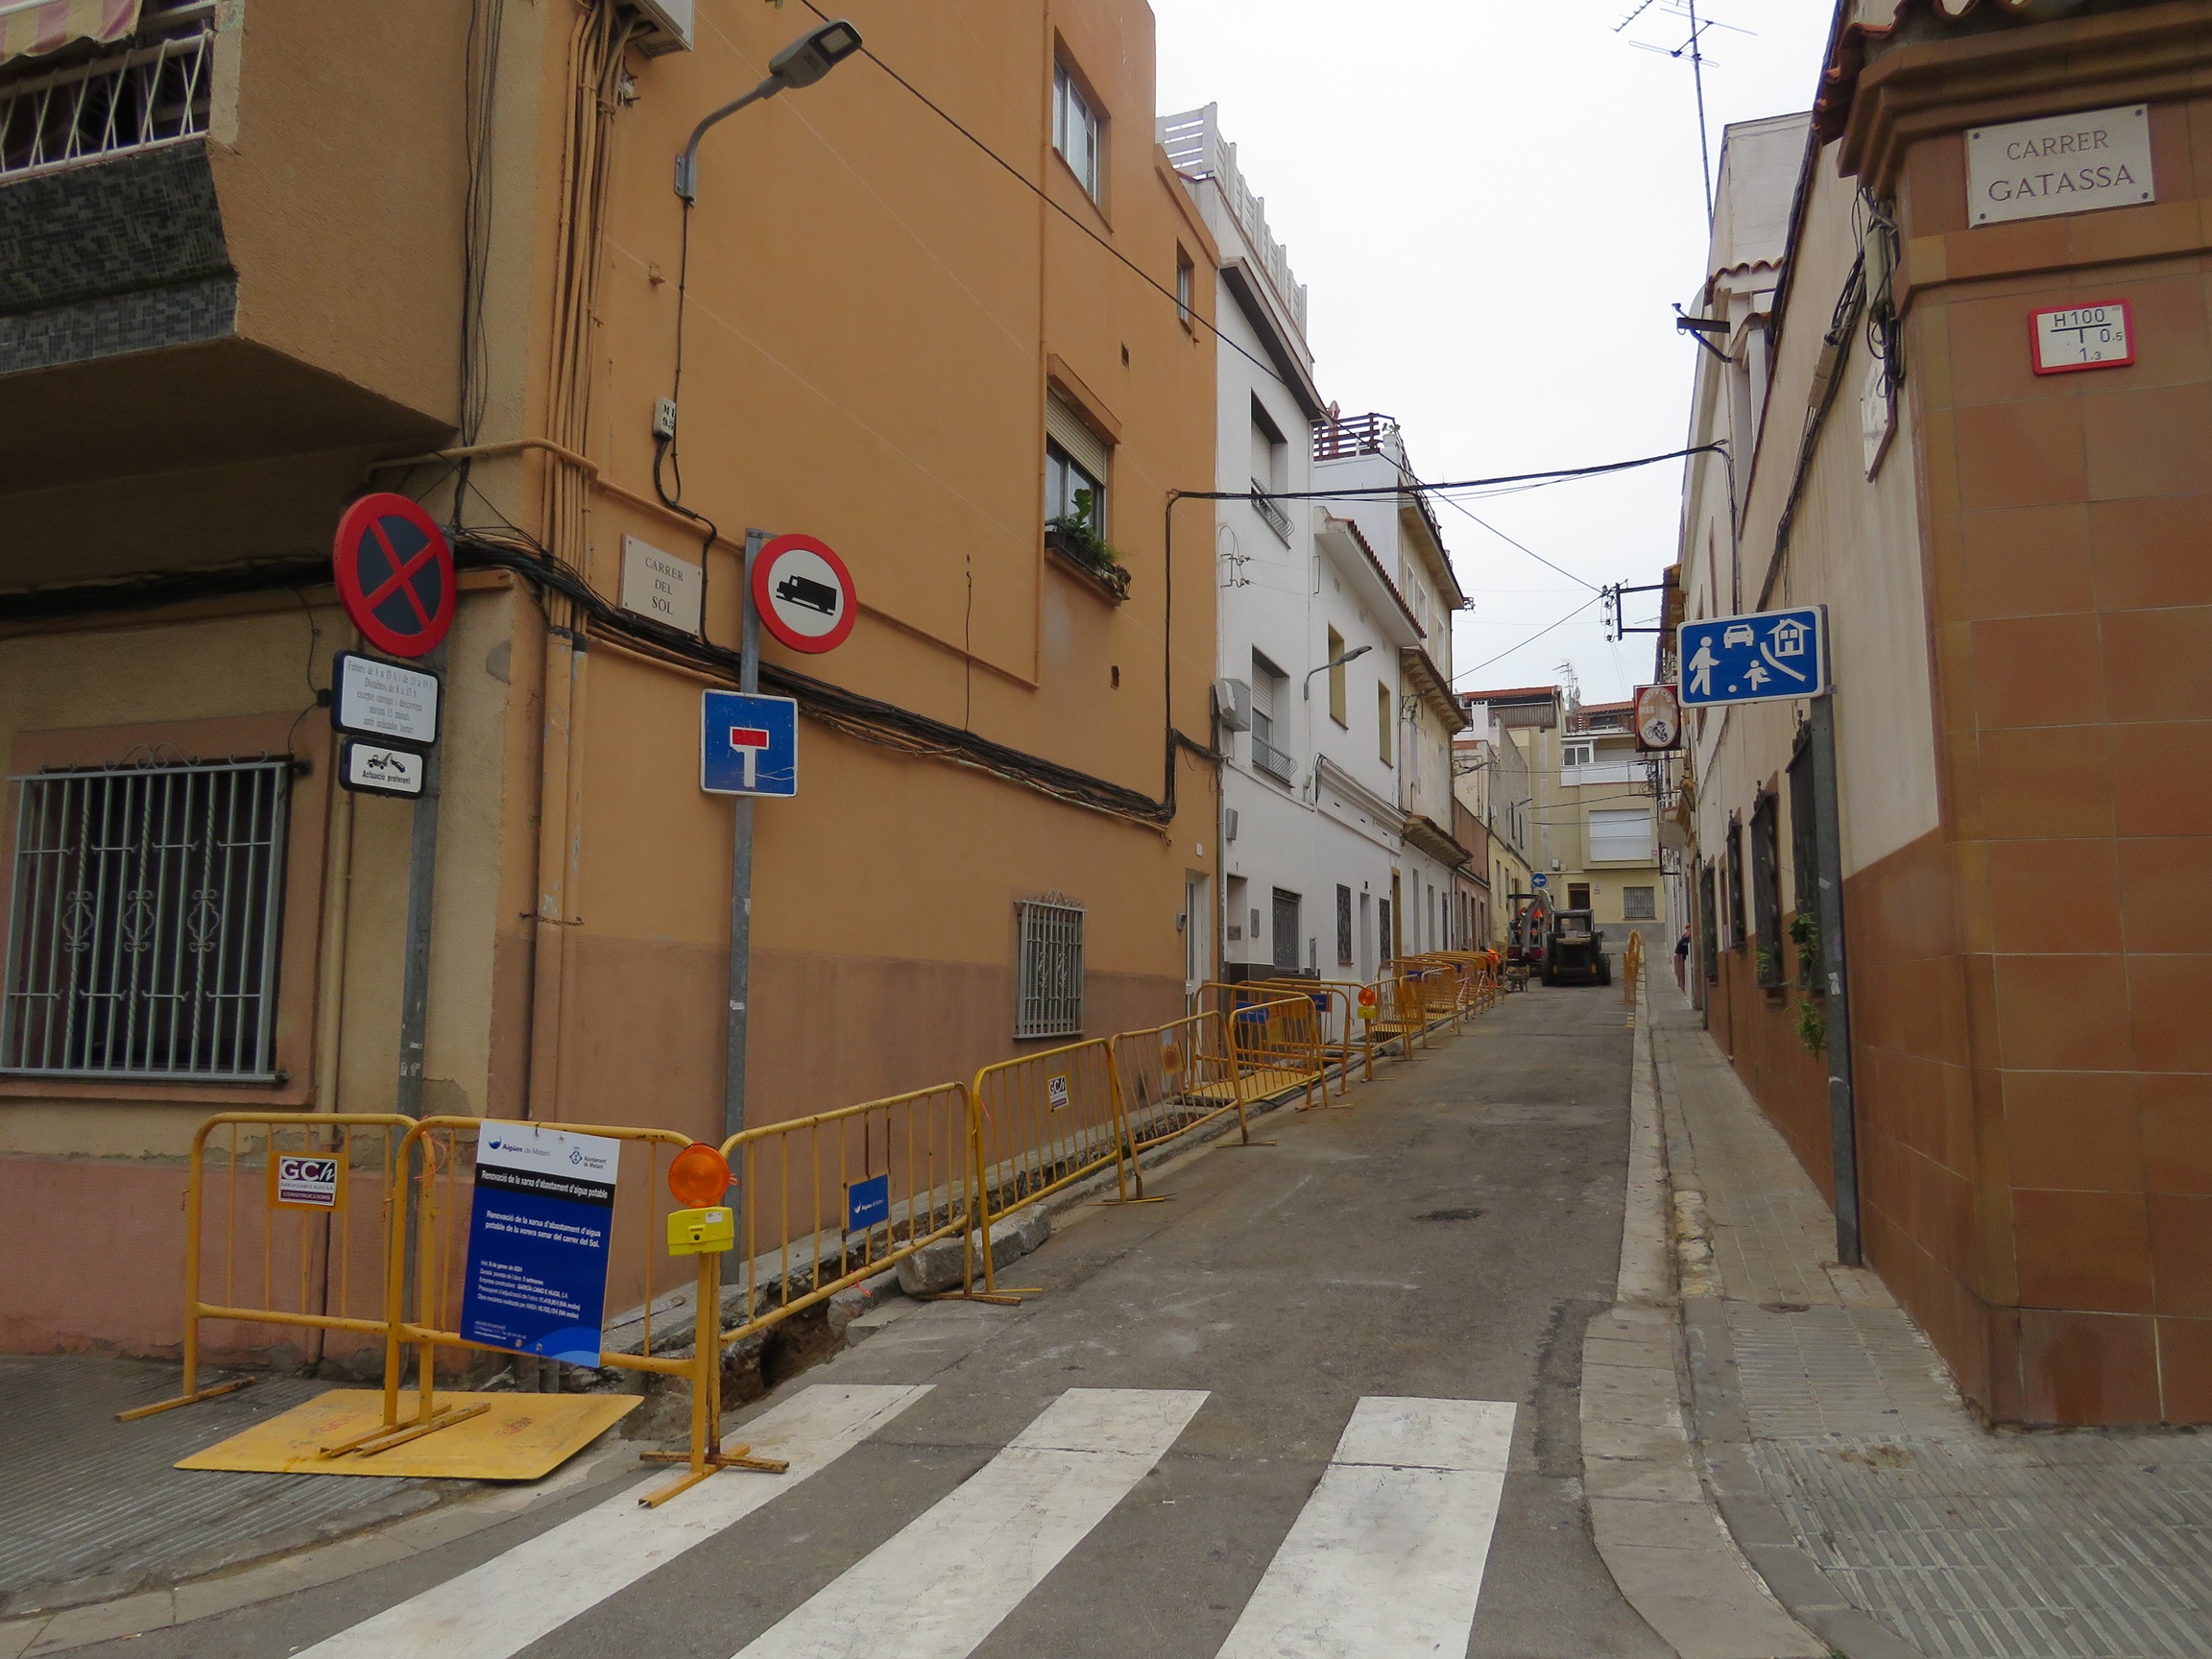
(1322, 1400)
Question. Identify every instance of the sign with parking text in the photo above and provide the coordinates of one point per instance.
(1763, 658)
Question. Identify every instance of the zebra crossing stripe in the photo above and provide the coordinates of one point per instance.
(1386, 1558)
(499, 1608)
(943, 1583)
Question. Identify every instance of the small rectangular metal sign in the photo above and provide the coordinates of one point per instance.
(306, 1181)
(2075, 337)
(660, 586)
(2060, 165)
(748, 744)
(1763, 658)
(377, 769)
(867, 1203)
(1056, 1093)
(373, 698)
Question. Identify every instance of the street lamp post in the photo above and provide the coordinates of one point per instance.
(801, 64)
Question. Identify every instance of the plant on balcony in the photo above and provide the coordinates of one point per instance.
(1074, 537)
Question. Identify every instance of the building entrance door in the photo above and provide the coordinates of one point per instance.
(1197, 937)
(1287, 932)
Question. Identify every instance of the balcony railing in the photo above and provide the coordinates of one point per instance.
(1196, 150)
(1272, 761)
(149, 89)
(1278, 521)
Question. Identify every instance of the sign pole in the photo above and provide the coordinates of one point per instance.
(421, 880)
(741, 869)
(1842, 1123)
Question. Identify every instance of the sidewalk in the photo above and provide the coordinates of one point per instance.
(1878, 1510)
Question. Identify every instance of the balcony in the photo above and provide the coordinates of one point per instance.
(1196, 150)
(150, 88)
(1272, 761)
(1272, 512)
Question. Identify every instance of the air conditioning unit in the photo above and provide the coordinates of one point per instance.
(1233, 704)
(668, 26)
(1228, 822)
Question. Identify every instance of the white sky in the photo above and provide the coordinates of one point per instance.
(1494, 205)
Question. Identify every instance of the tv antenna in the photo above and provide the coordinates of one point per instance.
(1692, 48)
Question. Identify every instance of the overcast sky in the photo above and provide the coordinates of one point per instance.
(1494, 205)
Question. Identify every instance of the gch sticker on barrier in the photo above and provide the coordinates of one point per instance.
(538, 1231)
(307, 1181)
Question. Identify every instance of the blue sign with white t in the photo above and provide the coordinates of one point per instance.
(748, 744)
(538, 1231)
(867, 1203)
(1757, 659)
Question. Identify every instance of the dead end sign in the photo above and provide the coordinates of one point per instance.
(395, 574)
(803, 593)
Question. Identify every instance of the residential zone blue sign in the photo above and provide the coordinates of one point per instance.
(1757, 659)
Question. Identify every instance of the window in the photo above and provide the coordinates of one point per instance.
(1336, 678)
(1269, 685)
(1578, 894)
(1767, 886)
(1804, 860)
(1578, 755)
(143, 939)
(1639, 903)
(1621, 836)
(1708, 924)
(1382, 715)
(1286, 953)
(1343, 927)
(1076, 132)
(1075, 470)
(1186, 285)
(1735, 883)
(1270, 471)
(1050, 994)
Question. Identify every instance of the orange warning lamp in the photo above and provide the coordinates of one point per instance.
(699, 1176)
(1367, 1008)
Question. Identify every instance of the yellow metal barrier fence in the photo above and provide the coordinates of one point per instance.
(1631, 965)
(304, 1198)
(903, 1168)
(1336, 1010)
(1177, 1077)
(1399, 1013)
(1043, 1123)
(1275, 1039)
(442, 1198)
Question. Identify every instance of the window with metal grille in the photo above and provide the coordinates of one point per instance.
(142, 931)
(1343, 925)
(1051, 967)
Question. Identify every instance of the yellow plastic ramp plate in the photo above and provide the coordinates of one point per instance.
(517, 1437)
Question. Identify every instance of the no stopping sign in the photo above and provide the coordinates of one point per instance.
(395, 574)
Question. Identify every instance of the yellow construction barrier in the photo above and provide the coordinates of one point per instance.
(1342, 1038)
(1631, 965)
(303, 1199)
(1175, 1078)
(826, 1201)
(1275, 1039)
(1400, 1014)
(1043, 1123)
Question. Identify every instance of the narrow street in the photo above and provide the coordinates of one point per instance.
(1444, 1239)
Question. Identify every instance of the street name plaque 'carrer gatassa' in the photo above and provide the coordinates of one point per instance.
(537, 1280)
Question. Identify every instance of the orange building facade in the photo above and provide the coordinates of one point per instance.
(438, 254)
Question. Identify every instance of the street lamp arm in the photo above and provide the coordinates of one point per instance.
(1306, 688)
(688, 163)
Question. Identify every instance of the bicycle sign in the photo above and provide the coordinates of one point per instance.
(1762, 658)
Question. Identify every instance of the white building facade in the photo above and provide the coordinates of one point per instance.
(1319, 786)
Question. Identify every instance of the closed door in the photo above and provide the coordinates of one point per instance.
(1287, 931)
(1197, 935)
(1366, 938)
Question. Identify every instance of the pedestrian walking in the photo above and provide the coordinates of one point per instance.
(1682, 962)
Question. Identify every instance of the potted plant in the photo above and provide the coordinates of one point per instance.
(1074, 537)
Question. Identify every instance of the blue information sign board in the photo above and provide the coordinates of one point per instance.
(1757, 659)
(537, 1275)
(867, 1203)
(748, 744)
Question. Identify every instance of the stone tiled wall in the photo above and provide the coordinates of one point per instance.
(112, 257)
